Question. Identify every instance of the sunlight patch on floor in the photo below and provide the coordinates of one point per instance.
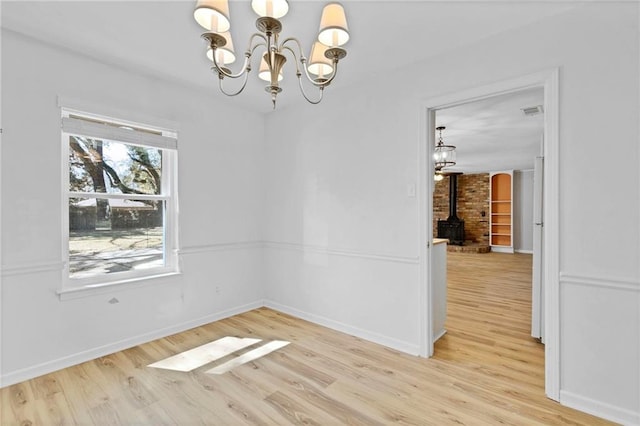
(248, 357)
(202, 355)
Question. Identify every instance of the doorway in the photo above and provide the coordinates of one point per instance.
(488, 194)
(548, 82)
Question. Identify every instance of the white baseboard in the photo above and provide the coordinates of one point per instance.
(88, 355)
(78, 358)
(587, 405)
(439, 335)
(499, 249)
(524, 251)
(600, 409)
(402, 346)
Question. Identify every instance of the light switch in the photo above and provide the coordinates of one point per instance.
(411, 190)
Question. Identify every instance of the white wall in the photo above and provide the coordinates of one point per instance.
(344, 232)
(220, 191)
(341, 229)
(523, 211)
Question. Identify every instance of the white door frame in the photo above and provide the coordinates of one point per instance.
(548, 80)
(537, 288)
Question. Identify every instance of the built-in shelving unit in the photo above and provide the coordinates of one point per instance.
(501, 218)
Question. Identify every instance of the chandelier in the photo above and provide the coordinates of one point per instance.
(320, 69)
(443, 155)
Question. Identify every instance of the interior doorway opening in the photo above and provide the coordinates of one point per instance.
(547, 82)
(483, 205)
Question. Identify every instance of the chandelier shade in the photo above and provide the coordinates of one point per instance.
(270, 8)
(443, 155)
(213, 15)
(320, 70)
(333, 26)
(319, 64)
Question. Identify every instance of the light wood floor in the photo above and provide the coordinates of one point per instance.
(486, 370)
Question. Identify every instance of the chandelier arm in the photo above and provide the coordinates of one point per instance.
(246, 67)
(324, 82)
(251, 47)
(222, 71)
(304, 94)
(244, 83)
(303, 61)
(297, 42)
(295, 57)
(299, 74)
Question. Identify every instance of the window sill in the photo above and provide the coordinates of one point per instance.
(72, 293)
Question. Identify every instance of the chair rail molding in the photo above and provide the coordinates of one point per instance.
(341, 252)
(626, 284)
(32, 268)
(236, 245)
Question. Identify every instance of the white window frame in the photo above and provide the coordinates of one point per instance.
(162, 138)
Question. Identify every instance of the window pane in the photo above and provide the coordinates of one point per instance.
(113, 235)
(113, 167)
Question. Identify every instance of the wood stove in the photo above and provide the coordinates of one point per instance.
(452, 228)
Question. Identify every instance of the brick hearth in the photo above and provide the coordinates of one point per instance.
(470, 247)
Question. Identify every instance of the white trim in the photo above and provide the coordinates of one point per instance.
(220, 247)
(638, 194)
(1, 201)
(80, 357)
(549, 79)
(601, 282)
(600, 409)
(501, 249)
(31, 268)
(74, 287)
(57, 266)
(537, 79)
(108, 287)
(551, 233)
(524, 251)
(341, 252)
(76, 126)
(425, 210)
(400, 345)
(98, 109)
(64, 208)
(439, 335)
(118, 196)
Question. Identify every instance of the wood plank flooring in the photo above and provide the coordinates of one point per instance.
(486, 370)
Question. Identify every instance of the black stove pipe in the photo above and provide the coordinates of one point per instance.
(453, 198)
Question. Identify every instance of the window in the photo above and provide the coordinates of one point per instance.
(120, 186)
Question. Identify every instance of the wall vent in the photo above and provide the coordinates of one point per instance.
(534, 110)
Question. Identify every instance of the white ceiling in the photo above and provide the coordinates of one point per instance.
(494, 134)
(161, 39)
